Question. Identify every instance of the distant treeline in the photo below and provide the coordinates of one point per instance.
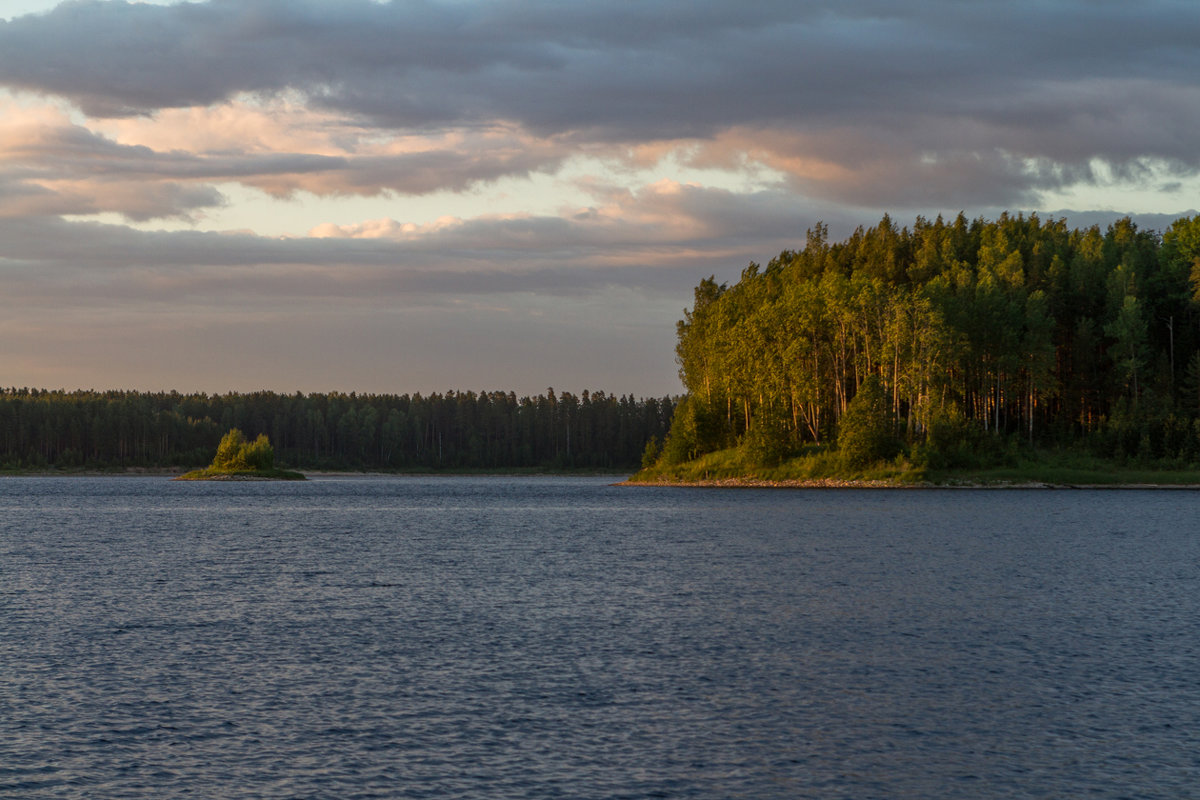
(966, 332)
(455, 430)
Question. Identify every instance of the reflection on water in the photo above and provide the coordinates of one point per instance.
(498, 637)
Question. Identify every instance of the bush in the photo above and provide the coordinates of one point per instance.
(951, 442)
(766, 442)
(695, 430)
(866, 433)
(651, 454)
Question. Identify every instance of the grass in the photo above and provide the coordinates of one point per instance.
(214, 474)
(816, 466)
(823, 467)
(1065, 468)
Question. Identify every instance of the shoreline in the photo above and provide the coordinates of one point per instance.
(834, 483)
(707, 483)
(172, 472)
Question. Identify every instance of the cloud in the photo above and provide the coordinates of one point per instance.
(936, 95)
(171, 166)
(629, 149)
(656, 239)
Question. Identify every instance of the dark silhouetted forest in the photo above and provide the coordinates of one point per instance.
(455, 430)
(965, 335)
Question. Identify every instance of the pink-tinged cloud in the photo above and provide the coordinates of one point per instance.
(641, 114)
(172, 166)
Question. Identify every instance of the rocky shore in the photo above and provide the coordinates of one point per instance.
(835, 483)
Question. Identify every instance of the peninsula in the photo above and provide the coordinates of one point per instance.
(1010, 352)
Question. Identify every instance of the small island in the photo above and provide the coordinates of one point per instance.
(240, 460)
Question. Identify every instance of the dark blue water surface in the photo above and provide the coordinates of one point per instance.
(563, 638)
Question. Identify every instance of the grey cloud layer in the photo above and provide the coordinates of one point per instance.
(860, 106)
(577, 256)
(1066, 81)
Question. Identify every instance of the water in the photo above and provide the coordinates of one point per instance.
(562, 638)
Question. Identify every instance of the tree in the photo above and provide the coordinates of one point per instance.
(259, 455)
(235, 454)
(230, 452)
(1128, 351)
(330, 431)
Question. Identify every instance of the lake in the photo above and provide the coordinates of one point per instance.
(451, 637)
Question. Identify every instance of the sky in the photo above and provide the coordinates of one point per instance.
(419, 196)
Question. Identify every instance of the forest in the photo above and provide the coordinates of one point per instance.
(950, 343)
(485, 431)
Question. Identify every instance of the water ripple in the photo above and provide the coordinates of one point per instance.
(548, 638)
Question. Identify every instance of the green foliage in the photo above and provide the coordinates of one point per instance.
(652, 453)
(866, 433)
(235, 454)
(1128, 350)
(766, 441)
(1021, 467)
(1181, 251)
(461, 431)
(951, 441)
(971, 339)
(1190, 395)
(259, 454)
(695, 429)
(231, 452)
